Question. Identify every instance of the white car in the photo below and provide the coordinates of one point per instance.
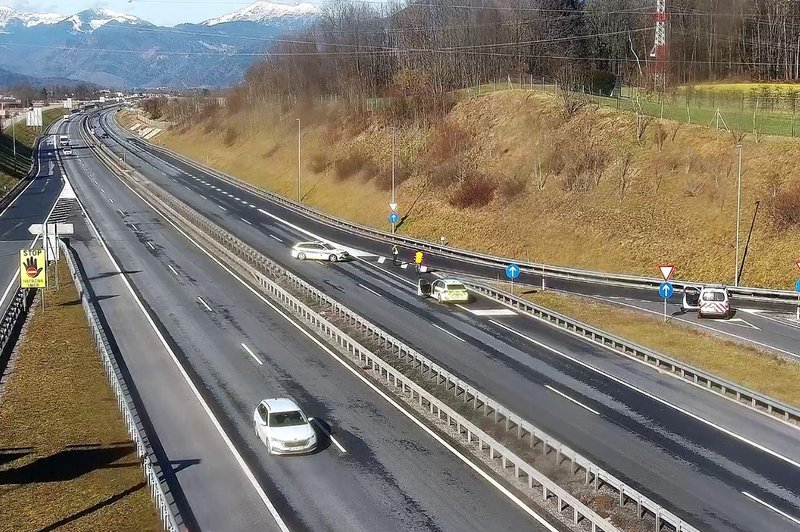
(67, 151)
(714, 301)
(319, 250)
(283, 427)
(444, 290)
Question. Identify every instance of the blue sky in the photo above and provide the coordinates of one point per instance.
(161, 12)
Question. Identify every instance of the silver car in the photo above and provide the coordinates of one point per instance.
(283, 427)
(319, 250)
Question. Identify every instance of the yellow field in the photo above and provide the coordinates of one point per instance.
(743, 87)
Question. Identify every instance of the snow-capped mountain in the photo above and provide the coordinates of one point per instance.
(93, 19)
(10, 16)
(121, 50)
(266, 13)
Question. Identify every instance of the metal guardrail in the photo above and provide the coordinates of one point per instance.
(252, 261)
(126, 407)
(659, 361)
(576, 274)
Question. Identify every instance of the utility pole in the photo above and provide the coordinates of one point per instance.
(659, 51)
(393, 201)
(738, 218)
(298, 160)
(14, 143)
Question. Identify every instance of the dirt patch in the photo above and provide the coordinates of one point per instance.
(66, 460)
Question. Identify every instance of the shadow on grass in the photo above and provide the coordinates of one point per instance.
(10, 454)
(93, 508)
(69, 463)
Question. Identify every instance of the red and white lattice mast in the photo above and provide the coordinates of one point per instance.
(659, 51)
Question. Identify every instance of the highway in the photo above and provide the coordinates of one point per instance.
(33, 205)
(716, 464)
(380, 470)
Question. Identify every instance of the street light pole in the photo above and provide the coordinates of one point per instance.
(738, 218)
(393, 202)
(298, 160)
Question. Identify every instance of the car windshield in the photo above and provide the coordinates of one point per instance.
(456, 286)
(713, 296)
(286, 419)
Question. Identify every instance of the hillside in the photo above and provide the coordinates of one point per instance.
(507, 173)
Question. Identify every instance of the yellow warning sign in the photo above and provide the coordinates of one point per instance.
(32, 268)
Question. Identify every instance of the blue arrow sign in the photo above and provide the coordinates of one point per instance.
(797, 285)
(512, 271)
(666, 290)
(394, 218)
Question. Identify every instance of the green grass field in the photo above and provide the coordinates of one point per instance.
(14, 168)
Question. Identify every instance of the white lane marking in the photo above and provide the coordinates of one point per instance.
(653, 397)
(246, 221)
(404, 265)
(187, 188)
(223, 208)
(200, 299)
(111, 200)
(697, 324)
(120, 212)
(329, 435)
(458, 454)
(448, 332)
(759, 501)
(249, 352)
(381, 260)
(276, 238)
(238, 457)
(489, 311)
(172, 269)
(746, 324)
(353, 251)
(369, 289)
(150, 244)
(236, 198)
(567, 397)
(205, 198)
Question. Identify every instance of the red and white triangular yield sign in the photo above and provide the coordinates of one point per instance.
(666, 270)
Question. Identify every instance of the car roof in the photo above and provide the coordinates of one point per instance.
(307, 243)
(281, 404)
(452, 281)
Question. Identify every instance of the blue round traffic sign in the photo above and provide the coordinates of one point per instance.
(666, 290)
(394, 218)
(512, 271)
(797, 285)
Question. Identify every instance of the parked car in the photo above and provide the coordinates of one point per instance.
(319, 250)
(283, 427)
(714, 301)
(444, 290)
(691, 298)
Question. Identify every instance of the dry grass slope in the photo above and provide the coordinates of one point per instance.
(507, 173)
(66, 461)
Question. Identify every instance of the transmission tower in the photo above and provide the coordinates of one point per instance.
(659, 51)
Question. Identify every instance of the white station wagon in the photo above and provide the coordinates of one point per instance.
(319, 250)
(444, 290)
(283, 427)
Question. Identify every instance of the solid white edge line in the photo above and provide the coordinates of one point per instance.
(448, 332)
(221, 207)
(329, 435)
(249, 352)
(172, 269)
(238, 457)
(781, 512)
(151, 245)
(653, 397)
(246, 221)
(369, 289)
(276, 238)
(502, 489)
(567, 397)
(200, 299)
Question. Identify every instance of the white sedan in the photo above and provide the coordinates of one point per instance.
(283, 427)
(319, 250)
(444, 290)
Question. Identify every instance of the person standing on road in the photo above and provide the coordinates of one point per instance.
(395, 253)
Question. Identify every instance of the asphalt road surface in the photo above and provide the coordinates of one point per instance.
(380, 470)
(717, 464)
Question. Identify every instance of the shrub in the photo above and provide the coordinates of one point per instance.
(601, 80)
(319, 162)
(446, 141)
(474, 192)
(786, 208)
(230, 136)
(445, 174)
(349, 166)
(383, 179)
(513, 187)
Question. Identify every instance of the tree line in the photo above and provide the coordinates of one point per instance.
(427, 47)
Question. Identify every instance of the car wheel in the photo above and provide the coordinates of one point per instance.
(301, 256)
(333, 258)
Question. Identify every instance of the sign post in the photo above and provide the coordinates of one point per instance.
(32, 268)
(394, 218)
(797, 289)
(665, 289)
(512, 272)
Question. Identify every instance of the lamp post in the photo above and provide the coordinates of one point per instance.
(738, 217)
(298, 160)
